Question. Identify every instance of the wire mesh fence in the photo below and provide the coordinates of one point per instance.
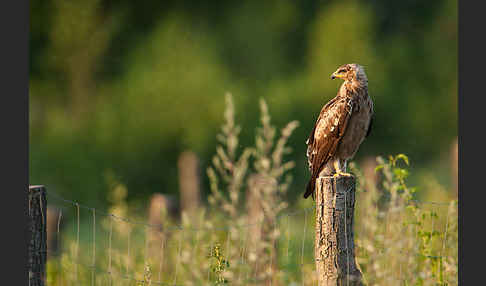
(97, 247)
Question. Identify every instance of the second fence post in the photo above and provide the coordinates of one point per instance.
(334, 241)
(38, 235)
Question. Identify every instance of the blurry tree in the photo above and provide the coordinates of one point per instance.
(127, 86)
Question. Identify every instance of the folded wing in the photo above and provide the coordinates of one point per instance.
(326, 136)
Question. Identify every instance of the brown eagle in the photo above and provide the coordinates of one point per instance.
(344, 122)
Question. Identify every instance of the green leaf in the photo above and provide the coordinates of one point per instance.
(379, 167)
(400, 173)
(403, 157)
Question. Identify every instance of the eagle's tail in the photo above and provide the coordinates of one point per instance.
(310, 188)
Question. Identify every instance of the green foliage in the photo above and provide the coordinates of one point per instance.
(123, 88)
(399, 240)
(395, 176)
(127, 87)
(219, 266)
(399, 237)
(336, 40)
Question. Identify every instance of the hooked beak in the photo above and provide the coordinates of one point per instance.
(336, 75)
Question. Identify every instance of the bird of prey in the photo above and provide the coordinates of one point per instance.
(343, 124)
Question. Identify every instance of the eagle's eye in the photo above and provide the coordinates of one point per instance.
(342, 71)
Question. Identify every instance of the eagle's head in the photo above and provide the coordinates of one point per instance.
(351, 73)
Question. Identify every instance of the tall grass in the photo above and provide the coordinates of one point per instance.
(248, 235)
(402, 241)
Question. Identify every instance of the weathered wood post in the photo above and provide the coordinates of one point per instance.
(189, 185)
(334, 244)
(161, 207)
(262, 245)
(368, 165)
(38, 235)
(255, 216)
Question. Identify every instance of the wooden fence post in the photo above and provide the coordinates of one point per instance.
(262, 244)
(371, 177)
(334, 242)
(38, 235)
(255, 214)
(188, 167)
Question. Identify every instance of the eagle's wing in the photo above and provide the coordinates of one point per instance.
(369, 126)
(372, 114)
(326, 136)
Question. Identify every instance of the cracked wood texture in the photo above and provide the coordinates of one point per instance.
(334, 244)
(38, 235)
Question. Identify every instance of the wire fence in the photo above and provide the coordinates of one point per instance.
(108, 249)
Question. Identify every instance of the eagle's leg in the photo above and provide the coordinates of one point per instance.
(341, 171)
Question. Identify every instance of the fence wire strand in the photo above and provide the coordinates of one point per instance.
(242, 249)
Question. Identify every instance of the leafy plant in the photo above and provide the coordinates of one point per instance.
(398, 237)
(219, 266)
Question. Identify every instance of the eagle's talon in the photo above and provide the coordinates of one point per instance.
(339, 173)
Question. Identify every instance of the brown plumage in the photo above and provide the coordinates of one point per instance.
(342, 125)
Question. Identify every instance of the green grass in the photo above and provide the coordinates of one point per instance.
(399, 240)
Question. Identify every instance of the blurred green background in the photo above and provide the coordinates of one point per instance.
(123, 87)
